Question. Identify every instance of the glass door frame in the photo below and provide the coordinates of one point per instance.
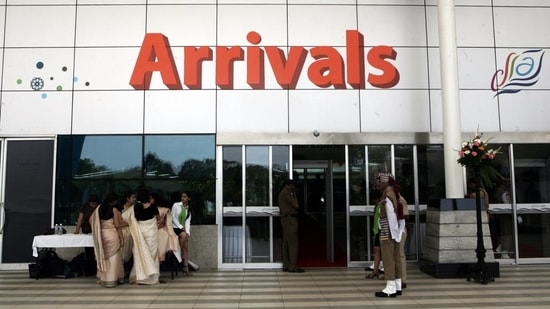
(329, 216)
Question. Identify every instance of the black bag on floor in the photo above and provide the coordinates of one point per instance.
(50, 265)
(78, 264)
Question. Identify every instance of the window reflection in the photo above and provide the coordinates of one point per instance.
(404, 171)
(106, 156)
(531, 166)
(357, 175)
(379, 158)
(233, 240)
(97, 164)
(257, 229)
(280, 170)
(431, 173)
(257, 176)
(232, 176)
(532, 188)
(187, 156)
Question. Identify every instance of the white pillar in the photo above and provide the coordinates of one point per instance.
(450, 98)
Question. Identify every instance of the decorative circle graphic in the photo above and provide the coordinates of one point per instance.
(37, 83)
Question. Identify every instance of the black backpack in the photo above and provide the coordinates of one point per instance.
(50, 265)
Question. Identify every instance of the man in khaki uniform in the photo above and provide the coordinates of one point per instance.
(288, 208)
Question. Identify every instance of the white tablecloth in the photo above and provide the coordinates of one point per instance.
(61, 241)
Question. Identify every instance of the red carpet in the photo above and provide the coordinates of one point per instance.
(312, 246)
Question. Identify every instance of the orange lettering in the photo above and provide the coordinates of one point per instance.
(377, 58)
(155, 46)
(287, 71)
(225, 57)
(192, 69)
(355, 55)
(328, 69)
(255, 62)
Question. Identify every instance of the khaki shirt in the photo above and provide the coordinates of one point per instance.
(288, 203)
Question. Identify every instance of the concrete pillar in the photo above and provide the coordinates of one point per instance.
(454, 187)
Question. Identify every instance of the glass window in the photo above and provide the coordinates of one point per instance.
(98, 157)
(359, 237)
(379, 158)
(531, 188)
(280, 170)
(357, 175)
(531, 173)
(431, 173)
(177, 163)
(233, 239)
(93, 165)
(404, 171)
(499, 188)
(97, 164)
(257, 176)
(257, 229)
(232, 176)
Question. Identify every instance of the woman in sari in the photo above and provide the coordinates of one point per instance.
(142, 223)
(105, 222)
(168, 240)
(129, 201)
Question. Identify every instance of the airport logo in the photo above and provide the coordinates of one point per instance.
(520, 71)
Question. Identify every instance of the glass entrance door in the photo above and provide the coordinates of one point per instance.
(316, 216)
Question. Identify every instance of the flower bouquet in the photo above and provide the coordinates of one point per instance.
(476, 153)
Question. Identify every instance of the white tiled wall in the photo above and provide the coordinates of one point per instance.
(248, 110)
(88, 53)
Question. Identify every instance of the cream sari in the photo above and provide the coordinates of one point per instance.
(107, 250)
(168, 240)
(128, 243)
(145, 249)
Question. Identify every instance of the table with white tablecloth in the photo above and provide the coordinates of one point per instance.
(61, 241)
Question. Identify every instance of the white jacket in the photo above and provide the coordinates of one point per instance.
(396, 226)
(176, 211)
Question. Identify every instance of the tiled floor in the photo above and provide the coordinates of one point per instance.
(517, 287)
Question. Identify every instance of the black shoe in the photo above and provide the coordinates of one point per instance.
(297, 270)
(398, 293)
(403, 285)
(285, 269)
(382, 294)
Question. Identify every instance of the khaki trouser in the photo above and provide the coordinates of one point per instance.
(391, 258)
(290, 242)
